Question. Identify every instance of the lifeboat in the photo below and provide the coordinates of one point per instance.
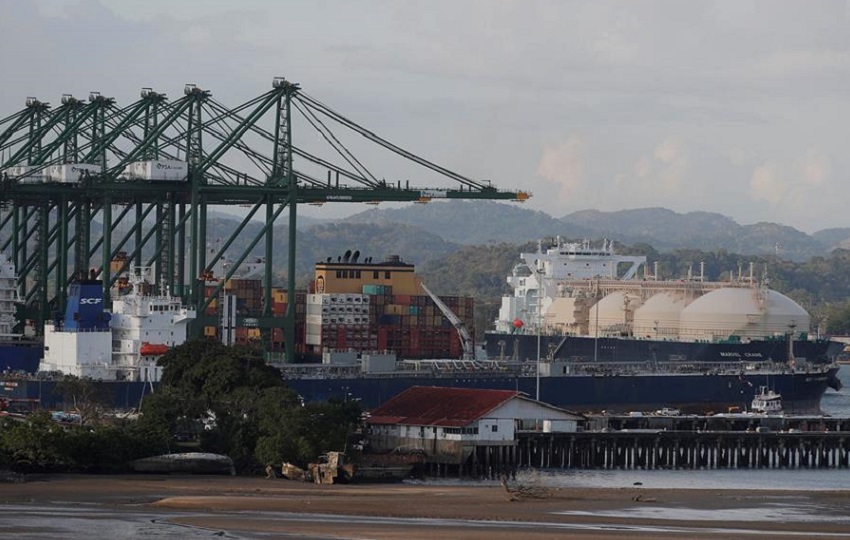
(153, 349)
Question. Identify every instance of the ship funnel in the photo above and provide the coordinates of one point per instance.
(355, 256)
(347, 256)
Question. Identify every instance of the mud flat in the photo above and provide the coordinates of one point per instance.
(237, 507)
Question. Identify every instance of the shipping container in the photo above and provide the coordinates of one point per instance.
(393, 320)
(70, 173)
(395, 309)
(163, 170)
(25, 174)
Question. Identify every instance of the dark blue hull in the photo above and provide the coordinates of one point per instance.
(20, 356)
(801, 392)
(523, 347)
(120, 394)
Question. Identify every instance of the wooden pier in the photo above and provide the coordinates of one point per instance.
(655, 441)
(652, 449)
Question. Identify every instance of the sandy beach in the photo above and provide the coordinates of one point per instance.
(236, 507)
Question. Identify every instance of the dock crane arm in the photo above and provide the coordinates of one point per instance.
(457, 322)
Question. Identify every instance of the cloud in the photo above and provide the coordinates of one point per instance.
(805, 62)
(672, 157)
(660, 174)
(766, 185)
(816, 168)
(792, 188)
(721, 121)
(563, 164)
(738, 155)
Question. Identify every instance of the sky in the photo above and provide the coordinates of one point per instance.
(737, 107)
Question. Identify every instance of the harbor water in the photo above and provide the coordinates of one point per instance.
(838, 403)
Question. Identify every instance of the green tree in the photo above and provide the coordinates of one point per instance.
(256, 419)
(85, 398)
(36, 443)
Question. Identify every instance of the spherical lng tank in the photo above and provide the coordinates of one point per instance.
(564, 315)
(744, 312)
(658, 317)
(613, 313)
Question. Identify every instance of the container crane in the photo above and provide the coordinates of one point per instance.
(457, 322)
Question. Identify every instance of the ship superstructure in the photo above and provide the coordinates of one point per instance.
(121, 345)
(8, 298)
(540, 277)
(364, 305)
(79, 341)
(144, 327)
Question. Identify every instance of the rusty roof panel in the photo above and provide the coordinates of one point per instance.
(439, 406)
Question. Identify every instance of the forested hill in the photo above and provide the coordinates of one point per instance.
(474, 222)
(820, 282)
(483, 222)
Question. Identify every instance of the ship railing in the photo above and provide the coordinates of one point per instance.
(82, 330)
(477, 368)
(406, 368)
(705, 368)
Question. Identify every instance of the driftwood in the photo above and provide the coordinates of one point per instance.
(522, 491)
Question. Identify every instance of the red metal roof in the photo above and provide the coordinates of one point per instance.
(439, 406)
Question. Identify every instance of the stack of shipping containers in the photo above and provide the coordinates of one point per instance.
(360, 306)
(339, 322)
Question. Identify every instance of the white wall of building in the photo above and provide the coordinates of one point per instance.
(499, 425)
(84, 354)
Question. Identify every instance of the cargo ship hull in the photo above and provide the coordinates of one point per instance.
(696, 393)
(125, 395)
(692, 392)
(20, 356)
(524, 347)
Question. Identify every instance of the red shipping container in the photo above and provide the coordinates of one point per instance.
(382, 339)
(414, 338)
(454, 347)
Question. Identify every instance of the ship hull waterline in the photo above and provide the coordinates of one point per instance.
(693, 393)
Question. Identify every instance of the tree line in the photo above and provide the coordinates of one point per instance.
(212, 398)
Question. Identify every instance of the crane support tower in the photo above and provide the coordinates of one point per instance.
(92, 187)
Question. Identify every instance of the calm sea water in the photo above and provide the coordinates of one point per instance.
(838, 403)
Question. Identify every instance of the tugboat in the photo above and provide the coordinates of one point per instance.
(767, 402)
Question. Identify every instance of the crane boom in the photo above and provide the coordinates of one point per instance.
(457, 322)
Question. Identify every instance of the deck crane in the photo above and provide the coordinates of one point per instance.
(457, 322)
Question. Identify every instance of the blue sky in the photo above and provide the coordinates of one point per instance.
(737, 107)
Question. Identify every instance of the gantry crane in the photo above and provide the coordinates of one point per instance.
(64, 169)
